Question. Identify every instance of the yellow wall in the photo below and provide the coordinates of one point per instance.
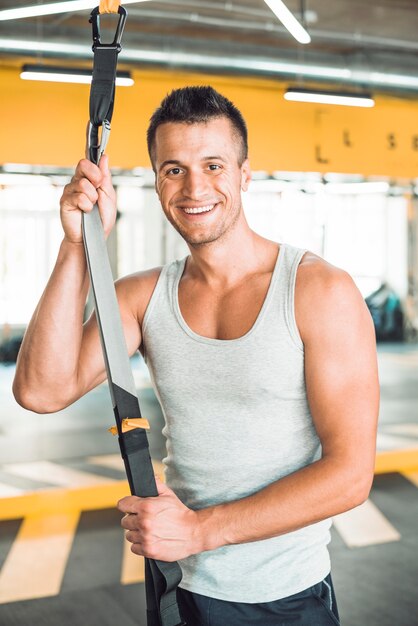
(44, 123)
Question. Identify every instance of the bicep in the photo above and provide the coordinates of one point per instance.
(341, 374)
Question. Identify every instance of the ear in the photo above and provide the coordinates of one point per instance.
(245, 175)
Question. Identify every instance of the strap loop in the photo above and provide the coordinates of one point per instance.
(109, 6)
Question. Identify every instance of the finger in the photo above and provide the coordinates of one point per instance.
(86, 187)
(104, 166)
(77, 201)
(129, 504)
(129, 521)
(132, 536)
(106, 183)
(137, 549)
(87, 169)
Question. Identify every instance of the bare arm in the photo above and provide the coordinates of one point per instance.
(343, 393)
(60, 359)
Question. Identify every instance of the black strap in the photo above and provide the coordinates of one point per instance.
(161, 578)
(102, 93)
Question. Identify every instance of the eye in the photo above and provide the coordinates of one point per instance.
(175, 171)
(214, 166)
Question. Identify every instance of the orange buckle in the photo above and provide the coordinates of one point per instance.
(129, 423)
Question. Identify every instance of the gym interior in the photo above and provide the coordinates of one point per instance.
(341, 181)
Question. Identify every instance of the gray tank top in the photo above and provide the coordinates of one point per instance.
(236, 420)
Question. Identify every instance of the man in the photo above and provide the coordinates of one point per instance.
(263, 357)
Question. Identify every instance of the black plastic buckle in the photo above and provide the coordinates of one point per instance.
(95, 22)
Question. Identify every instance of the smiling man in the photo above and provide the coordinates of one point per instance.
(263, 358)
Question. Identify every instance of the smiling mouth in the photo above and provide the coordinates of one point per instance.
(197, 210)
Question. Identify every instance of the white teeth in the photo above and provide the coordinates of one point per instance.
(201, 209)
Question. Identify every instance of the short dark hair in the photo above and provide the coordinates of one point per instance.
(193, 105)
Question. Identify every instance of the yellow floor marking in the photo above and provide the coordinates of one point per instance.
(35, 565)
(55, 474)
(365, 526)
(53, 500)
(106, 495)
(133, 566)
(82, 499)
(412, 476)
(396, 461)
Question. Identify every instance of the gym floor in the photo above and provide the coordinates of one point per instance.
(63, 557)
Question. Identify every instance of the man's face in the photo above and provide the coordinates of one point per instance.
(199, 179)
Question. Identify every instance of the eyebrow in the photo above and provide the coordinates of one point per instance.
(168, 162)
(176, 162)
(217, 157)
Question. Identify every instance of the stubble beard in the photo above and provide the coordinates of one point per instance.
(219, 232)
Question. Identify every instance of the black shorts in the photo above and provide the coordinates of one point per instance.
(315, 606)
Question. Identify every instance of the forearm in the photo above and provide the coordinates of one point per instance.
(318, 491)
(49, 355)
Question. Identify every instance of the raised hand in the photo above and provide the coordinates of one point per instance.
(90, 184)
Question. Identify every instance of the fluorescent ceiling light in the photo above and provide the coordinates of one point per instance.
(288, 20)
(53, 8)
(58, 74)
(329, 97)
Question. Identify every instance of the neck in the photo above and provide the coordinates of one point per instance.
(230, 258)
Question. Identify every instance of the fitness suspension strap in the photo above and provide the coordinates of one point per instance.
(161, 578)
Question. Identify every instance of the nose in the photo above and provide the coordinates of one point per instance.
(195, 185)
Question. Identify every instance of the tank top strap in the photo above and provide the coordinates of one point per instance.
(284, 290)
(162, 295)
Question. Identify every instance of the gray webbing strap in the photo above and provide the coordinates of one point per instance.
(162, 578)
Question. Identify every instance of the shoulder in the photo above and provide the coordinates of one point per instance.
(327, 299)
(135, 290)
(315, 273)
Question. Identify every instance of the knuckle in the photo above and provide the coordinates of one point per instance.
(146, 524)
(147, 507)
(88, 189)
(84, 204)
(84, 185)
